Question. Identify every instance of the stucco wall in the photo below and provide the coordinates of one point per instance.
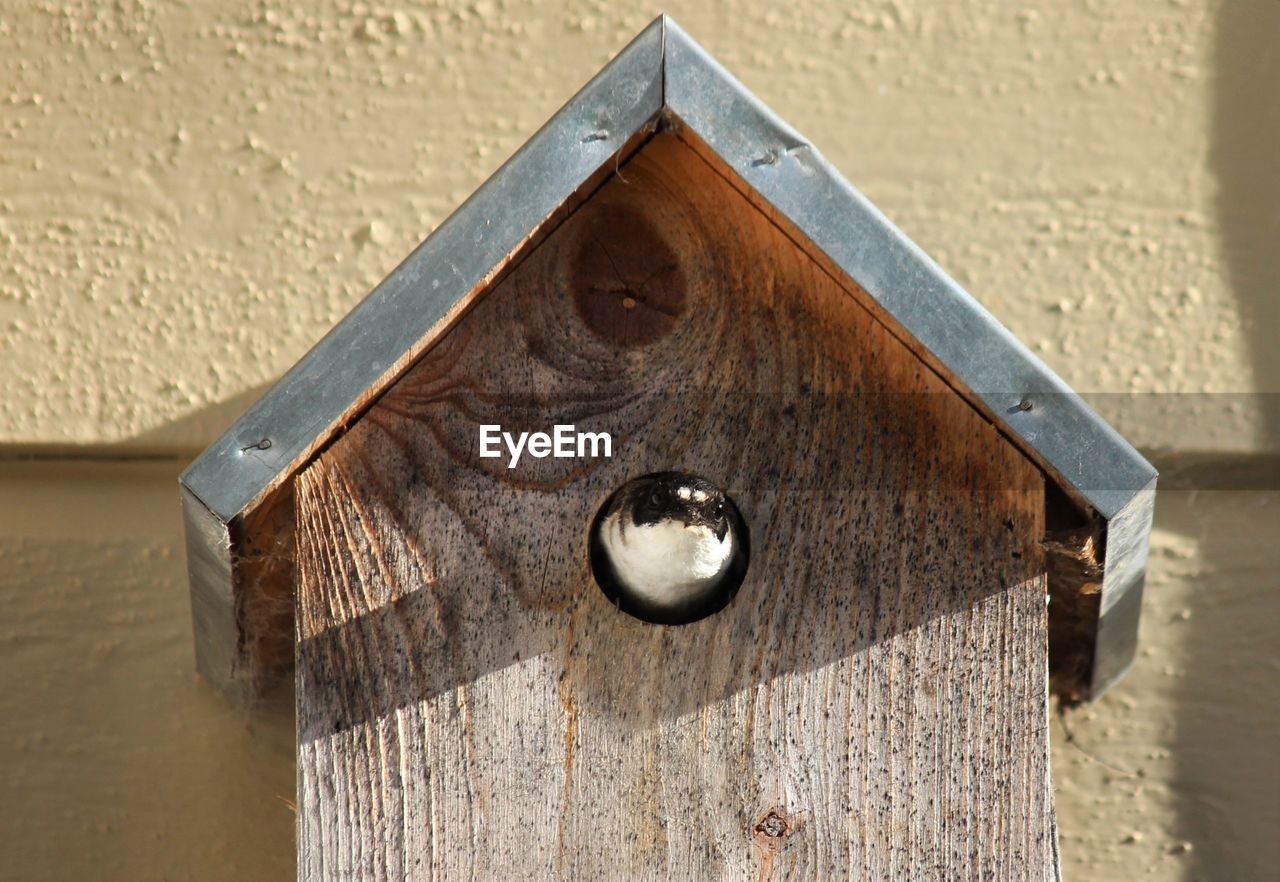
(191, 194)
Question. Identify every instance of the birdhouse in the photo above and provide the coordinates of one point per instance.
(668, 514)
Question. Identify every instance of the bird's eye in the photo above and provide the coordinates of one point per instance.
(656, 497)
(717, 509)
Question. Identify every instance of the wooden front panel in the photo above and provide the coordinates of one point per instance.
(873, 705)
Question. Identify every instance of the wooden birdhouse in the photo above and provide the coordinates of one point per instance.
(931, 528)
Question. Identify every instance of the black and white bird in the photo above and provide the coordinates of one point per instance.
(669, 548)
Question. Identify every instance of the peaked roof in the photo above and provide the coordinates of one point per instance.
(663, 77)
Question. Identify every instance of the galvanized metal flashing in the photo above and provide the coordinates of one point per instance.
(371, 344)
(386, 331)
(984, 361)
(662, 74)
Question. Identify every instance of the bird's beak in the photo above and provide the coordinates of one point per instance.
(696, 520)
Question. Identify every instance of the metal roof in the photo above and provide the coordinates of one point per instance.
(664, 75)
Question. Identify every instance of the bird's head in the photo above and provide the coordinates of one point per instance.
(675, 496)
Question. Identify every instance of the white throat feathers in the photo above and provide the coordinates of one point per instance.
(669, 564)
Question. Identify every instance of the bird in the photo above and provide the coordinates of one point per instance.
(669, 548)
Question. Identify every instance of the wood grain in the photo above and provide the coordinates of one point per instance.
(873, 704)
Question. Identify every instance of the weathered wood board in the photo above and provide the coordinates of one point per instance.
(873, 705)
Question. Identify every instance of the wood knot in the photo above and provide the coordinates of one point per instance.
(773, 826)
(628, 287)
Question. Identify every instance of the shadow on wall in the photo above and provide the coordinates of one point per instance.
(1244, 156)
(192, 432)
(1226, 780)
(1228, 770)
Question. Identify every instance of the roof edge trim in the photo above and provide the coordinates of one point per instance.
(1024, 396)
(664, 74)
(386, 332)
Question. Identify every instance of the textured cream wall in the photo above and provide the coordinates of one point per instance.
(192, 193)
